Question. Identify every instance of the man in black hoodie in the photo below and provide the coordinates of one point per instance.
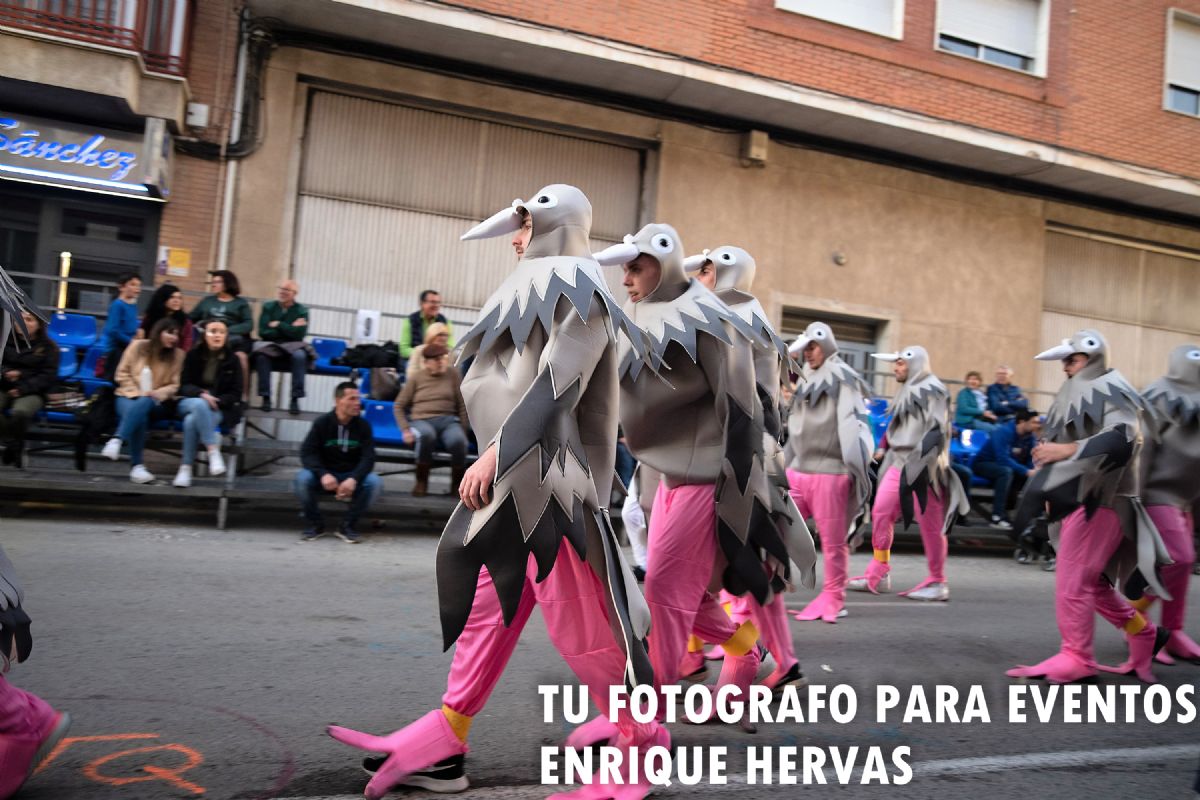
(337, 456)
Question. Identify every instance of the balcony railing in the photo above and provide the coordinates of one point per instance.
(157, 29)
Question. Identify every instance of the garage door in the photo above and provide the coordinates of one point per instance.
(386, 190)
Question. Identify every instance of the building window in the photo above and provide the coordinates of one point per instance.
(1183, 65)
(882, 17)
(1007, 33)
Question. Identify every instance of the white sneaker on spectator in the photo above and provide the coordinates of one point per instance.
(216, 464)
(112, 449)
(183, 478)
(139, 474)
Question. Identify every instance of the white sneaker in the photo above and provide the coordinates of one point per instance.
(766, 664)
(139, 474)
(860, 585)
(112, 449)
(216, 464)
(934, 592)
(183, 478)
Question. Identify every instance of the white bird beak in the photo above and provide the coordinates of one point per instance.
(694, 263)
(501, 223)
(621, 253)
(886, 356)
(797, 347)
(1056, 353)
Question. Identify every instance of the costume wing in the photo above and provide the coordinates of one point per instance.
(857, 443)
(14, 622)
(929, 468)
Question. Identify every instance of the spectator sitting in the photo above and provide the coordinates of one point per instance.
(121, 326)
(211, 384)
(281, 328)
(996, 461)
(434, 402)
(29, 369)
(226, 304)
(438, 332)
(1004, 397)
(337, 456)
(412, 327)
(971, 406)
(147, 380)
(167, 301)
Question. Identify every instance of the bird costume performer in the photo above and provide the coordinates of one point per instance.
(734, 275)
(1087, 479)
(29, 727)
(712, 523)
(1170, 489)
(828, 457)
(916, 467)
(533, 527)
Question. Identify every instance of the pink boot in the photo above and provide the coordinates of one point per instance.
(419, 745)
(1143, 646)
(1059, 668)
(597, 730)
(875, 578)
(1181, 646)
(826, 606)
(693, 667)
(740, 671)
(22, 752)
(622, 791)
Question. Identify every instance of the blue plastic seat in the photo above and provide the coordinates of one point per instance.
(381, 418)
(877, 406)
(87, 366)
(74, 330)
(965, 446)
(327, 351)
(66, 361)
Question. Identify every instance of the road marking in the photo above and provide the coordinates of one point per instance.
(921, 769)
(92, 772)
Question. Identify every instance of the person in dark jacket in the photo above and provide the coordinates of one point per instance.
(167, 301)
(337, 456)
(1004, 397)
(227, 305)
(281, 328)
(210, 392)
(29, 371)
(998, 460)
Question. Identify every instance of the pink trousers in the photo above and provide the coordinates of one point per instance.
(574, 607)
(771, 621)
(681, 551)
(886, 511)
(22, 713)
(1175, 525)
(1080, 589)
(823, 498)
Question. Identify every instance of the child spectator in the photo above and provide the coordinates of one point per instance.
(147, 381)
(211, 391)
(121, 326)
(29, 369)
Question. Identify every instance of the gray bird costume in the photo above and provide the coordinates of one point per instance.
(1099, 411)
(828, 430)
(1171, 459)
(543, 391)
(707, 357)
(918, 439)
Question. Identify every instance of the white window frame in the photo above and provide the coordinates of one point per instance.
(896, 32)
(1041, 47)
(1172, 15)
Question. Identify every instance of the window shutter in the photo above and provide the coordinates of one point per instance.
(1010, 25)
(1183, 54)
(875, 16)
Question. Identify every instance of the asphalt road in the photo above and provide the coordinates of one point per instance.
(204, 664)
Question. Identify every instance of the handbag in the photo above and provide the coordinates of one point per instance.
(67, 396)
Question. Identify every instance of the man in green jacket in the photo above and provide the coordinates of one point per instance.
(281, 328)
(412, 327)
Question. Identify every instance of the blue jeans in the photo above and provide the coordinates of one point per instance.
(297, 363)
(445, 429)
(1001, 478)
(308, 489)
(199, 426)
(625, 464)
(136, 415)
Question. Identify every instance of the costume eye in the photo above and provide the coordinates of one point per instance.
(908, 355)
(1090, 343)
(1193, 355)
(727, 258)
(546, 200)
(662, 243)
(818, 334)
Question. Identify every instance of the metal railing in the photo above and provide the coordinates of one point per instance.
(158, 30)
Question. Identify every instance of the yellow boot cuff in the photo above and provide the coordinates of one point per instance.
(1143, 603)
(742, 641)
(695, 644)
(883, 556)
(1135, 625)
(459, 723)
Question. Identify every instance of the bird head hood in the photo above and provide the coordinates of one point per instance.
(817, 332)
(561, 216)
(661, 242)
(1183, 366)
(735, 267)
(915, 356)
(1089, 342)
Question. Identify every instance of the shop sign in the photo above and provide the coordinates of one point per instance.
(92, 159)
